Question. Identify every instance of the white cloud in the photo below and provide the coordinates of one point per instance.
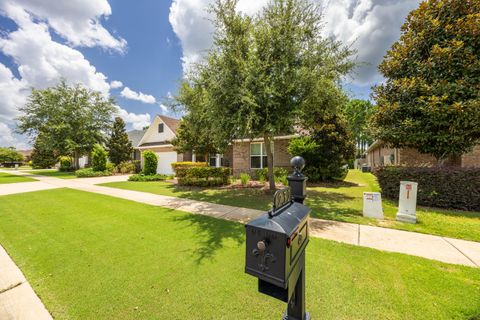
(78, 21)
(163, 107)
(6, 137)
(115, 84)
(42, 61)
(371, 25)
(139, 96)
(138, 121)
(13, 93)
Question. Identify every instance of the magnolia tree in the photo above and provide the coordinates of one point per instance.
(431, 98)
(263, 76)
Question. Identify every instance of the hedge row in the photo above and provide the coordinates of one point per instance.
(89, 172)
(144, 178)
(187, 164)
(452, 188)
(202, 176)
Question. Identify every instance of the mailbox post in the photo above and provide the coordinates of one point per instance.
(275, 246)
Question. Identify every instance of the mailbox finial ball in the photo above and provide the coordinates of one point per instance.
(298, 163)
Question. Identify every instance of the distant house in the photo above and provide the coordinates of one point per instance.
(242, 155)
(379, 154)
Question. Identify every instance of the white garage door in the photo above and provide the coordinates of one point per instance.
(165, 160)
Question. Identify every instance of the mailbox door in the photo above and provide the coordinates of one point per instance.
(298, 242)
(268, 265)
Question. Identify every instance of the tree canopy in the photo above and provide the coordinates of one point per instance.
(431, 99)
(263, 76)
(71, 119)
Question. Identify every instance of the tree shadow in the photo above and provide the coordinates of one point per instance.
(232, 197)
(333, 184)
(212, 234)
(328, 205)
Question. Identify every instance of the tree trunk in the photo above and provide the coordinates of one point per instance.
(268, 148)
(76, 160)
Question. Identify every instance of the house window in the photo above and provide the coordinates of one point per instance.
(258, 155)
(160, 127)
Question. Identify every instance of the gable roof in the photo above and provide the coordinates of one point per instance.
(135, 136)
(172, 123)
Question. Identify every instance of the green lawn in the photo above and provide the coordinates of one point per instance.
(119, 259)
(11, 178)
(54, 173)
(342, 202)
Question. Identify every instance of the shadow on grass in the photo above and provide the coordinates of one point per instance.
(328, 205)
(212, 234)
(333, 184)
(247, 198)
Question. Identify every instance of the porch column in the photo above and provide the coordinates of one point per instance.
(218, 162)
(194, 157)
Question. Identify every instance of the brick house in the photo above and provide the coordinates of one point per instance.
(378, 154)
(242, 155)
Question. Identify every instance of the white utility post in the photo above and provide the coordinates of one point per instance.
(407, 202)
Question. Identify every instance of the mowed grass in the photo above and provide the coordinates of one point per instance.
(340, 202)
(11, 178)
(54, 173)
(90, 256)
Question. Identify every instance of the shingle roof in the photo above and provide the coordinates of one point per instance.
(135, 136)
(172, 123)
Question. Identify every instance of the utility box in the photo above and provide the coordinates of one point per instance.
(372, 205)
(407, 202)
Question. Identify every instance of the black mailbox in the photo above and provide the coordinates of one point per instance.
(275, 252)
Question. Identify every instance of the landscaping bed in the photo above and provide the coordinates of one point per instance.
(123, 260)
(340, 201)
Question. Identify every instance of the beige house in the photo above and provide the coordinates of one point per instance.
(378, 154)
(242, 155)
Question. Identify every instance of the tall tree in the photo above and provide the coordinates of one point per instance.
(358, 113)
(71, 119)
(118, 145)
(266, 74)
(431, 99)
(42, 155)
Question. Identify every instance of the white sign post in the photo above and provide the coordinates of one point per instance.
(372, 205)
(407, 202)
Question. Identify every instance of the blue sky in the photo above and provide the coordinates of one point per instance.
(136, 51)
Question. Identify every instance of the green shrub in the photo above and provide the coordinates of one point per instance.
(451, 188)
(110, 167)
(261, 174)
(187, 164)
(203, 176)
(99, 158)
(150, 162)
(138, 165)
(89, 172)
(155, 177)
(125, 167)
(65, 163)
(244, 178)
